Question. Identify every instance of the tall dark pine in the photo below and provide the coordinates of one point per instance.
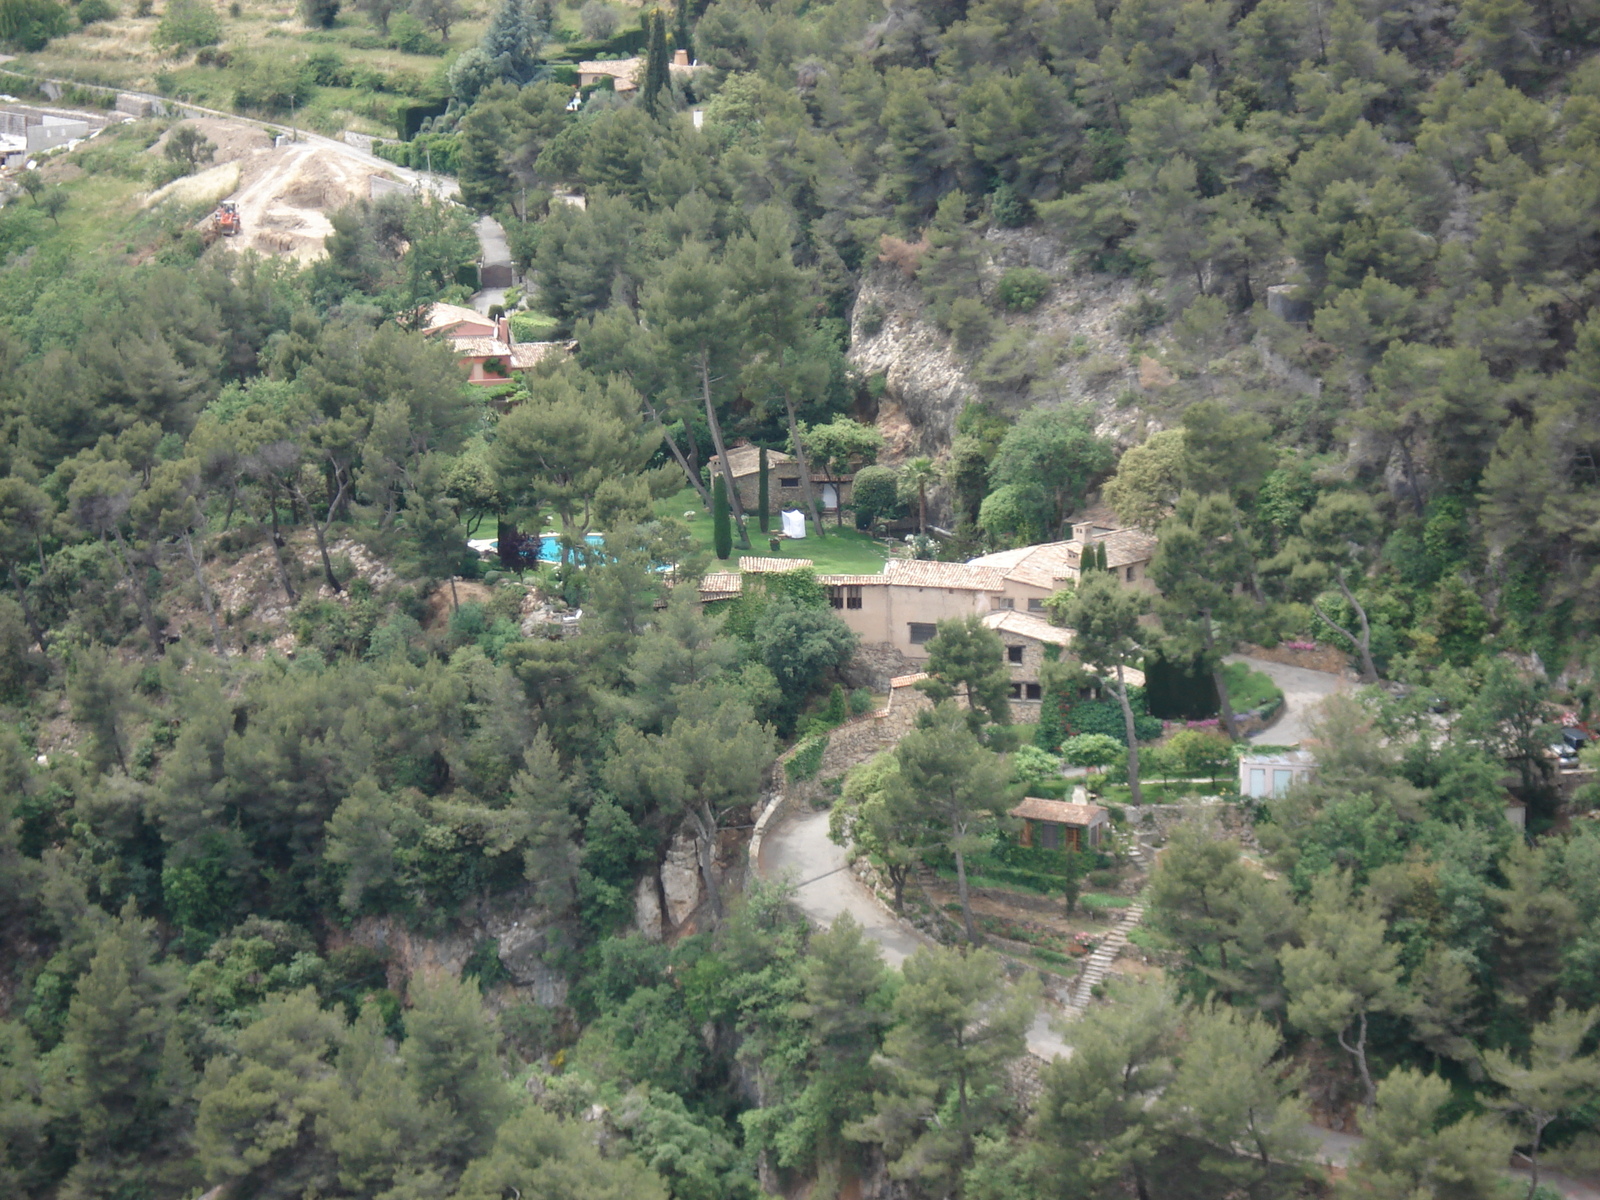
(763, 498)
(721, 523)
(682, 37)
(655, 66)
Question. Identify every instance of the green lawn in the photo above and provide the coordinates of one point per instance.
(844, 551)
(1248, 689)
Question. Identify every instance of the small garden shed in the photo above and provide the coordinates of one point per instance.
(1265, 775)
(1061, 824)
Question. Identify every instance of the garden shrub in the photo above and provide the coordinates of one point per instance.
(1105, 716)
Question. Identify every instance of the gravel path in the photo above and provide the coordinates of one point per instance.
(1303, 690)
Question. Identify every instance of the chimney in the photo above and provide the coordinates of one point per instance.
(680, 58)
(1083, 534)
(503, 326)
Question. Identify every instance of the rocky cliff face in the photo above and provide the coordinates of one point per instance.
(523, 936)
(1080, 354)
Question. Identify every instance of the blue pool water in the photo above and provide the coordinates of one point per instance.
(550, 546)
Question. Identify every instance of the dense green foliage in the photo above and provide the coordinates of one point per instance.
(212, 850)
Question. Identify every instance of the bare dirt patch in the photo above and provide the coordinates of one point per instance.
(233, 139)
(284, 194)
(440, 606)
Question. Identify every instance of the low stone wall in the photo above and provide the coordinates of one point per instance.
(1323, 658)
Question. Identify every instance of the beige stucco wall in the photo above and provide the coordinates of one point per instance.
(888, 611)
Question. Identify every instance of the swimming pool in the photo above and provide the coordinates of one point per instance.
(550, 545)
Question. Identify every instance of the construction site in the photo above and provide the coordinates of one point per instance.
(280, 192)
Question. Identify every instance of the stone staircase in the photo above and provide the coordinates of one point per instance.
(1098, 963)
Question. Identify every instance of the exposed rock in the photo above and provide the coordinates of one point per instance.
(680, 880)
(647, 908)
(1082, 354)
(522, 952)
(524, 938)
(411, 953)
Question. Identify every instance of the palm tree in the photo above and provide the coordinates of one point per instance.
(915, 476)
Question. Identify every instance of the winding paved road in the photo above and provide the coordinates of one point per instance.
(798, 848)
(1303, 690)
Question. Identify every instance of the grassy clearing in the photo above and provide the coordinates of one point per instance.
(844, 551)
(263, 34)
(104, 182)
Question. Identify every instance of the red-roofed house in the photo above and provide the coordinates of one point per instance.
(487, 347)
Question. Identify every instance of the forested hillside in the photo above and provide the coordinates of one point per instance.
(331, 867)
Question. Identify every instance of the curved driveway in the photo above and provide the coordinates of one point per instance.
(1303, 691)
(798, 848)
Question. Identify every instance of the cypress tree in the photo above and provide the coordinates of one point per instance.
(721, 524)
(682, 37)
(763, 503)
(655, 68)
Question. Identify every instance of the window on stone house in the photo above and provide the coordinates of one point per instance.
(1035, 604)
(1130, 574)
(788, 481)
(922, 634)
(1014, 654)
(1034, 691)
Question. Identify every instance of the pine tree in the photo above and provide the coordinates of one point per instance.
(763, 496)
(655, 69)
(513, 39)
(126, 1070)
(683, 39)
(721, 523)
(449, 1053)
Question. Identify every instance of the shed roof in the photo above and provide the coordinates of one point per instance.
(1061, 812)
(720, 585)
(1291, 758)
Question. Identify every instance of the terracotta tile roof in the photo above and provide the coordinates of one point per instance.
(721, 584)
(1022, 624)
(751, 562)
(527, 354)
(443, 316)
(918, 573)
(617, 68)
(854, 580)
(1049, 564)
(746, 460)
(473, 347)
(1044, 565)
(1126, 546)
(1061, 812)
